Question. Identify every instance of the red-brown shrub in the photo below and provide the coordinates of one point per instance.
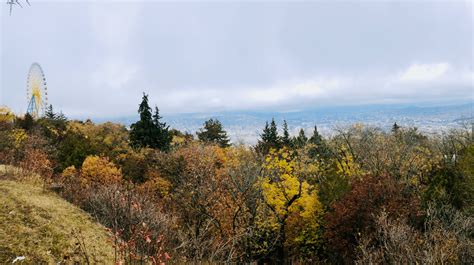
(355, 214)
(37, 162)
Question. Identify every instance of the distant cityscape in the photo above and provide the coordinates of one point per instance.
(245, 126)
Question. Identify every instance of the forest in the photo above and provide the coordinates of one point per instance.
(360, 196)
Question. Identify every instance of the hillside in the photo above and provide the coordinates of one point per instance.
(43, 228)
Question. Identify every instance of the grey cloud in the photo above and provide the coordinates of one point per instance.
(98, 58)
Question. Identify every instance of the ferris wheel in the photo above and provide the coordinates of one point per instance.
(36, 91)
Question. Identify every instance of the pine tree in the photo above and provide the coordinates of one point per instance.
(316, 138)
(262, 145)
(395, 128)
(60, 116)
(27, 122)
(274, 138)
(58, 120)
(269, 138)
(213, 132)
(285, 139)
(301, 140)
(141, 133)
(49, 113)
(144, 132)
(162, 135)
(319, 147)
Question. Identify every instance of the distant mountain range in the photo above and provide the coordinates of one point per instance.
(245, 126)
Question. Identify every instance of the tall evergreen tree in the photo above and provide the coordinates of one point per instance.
(142, 131)
(301, 140)
(285, 139)
(274, 138)
(213, 132)
(149, 131)
(56, 119)
(316, 138)
(269, 138)
(319, 147)
(163, 136)
(49, 113)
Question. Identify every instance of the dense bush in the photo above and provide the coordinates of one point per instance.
(354, 215)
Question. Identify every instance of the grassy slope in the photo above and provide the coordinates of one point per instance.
(44, 228)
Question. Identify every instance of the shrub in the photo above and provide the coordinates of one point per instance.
(99, 171)
(445, 239)
(140, 230)
(37, 162)
(353, 215)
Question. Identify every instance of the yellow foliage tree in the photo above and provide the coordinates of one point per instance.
(6, 115)
(292, 200)
(156, 185)
(109, 138)
(99, 170)
(345, 164)
(18, 136)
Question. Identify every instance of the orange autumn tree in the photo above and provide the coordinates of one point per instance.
(240, 198)
(213, 191)
(196, 194)
(37, 162)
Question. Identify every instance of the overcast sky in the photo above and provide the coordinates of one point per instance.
(217, 56)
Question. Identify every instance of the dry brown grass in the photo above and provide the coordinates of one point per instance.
(44, 228)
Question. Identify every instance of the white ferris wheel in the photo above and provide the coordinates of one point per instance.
(37, 93)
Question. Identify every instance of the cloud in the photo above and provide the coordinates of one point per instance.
(193, 57)
(113, 28)
(114, 25)
(418, 83)
(115, 74)
(424, 72)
